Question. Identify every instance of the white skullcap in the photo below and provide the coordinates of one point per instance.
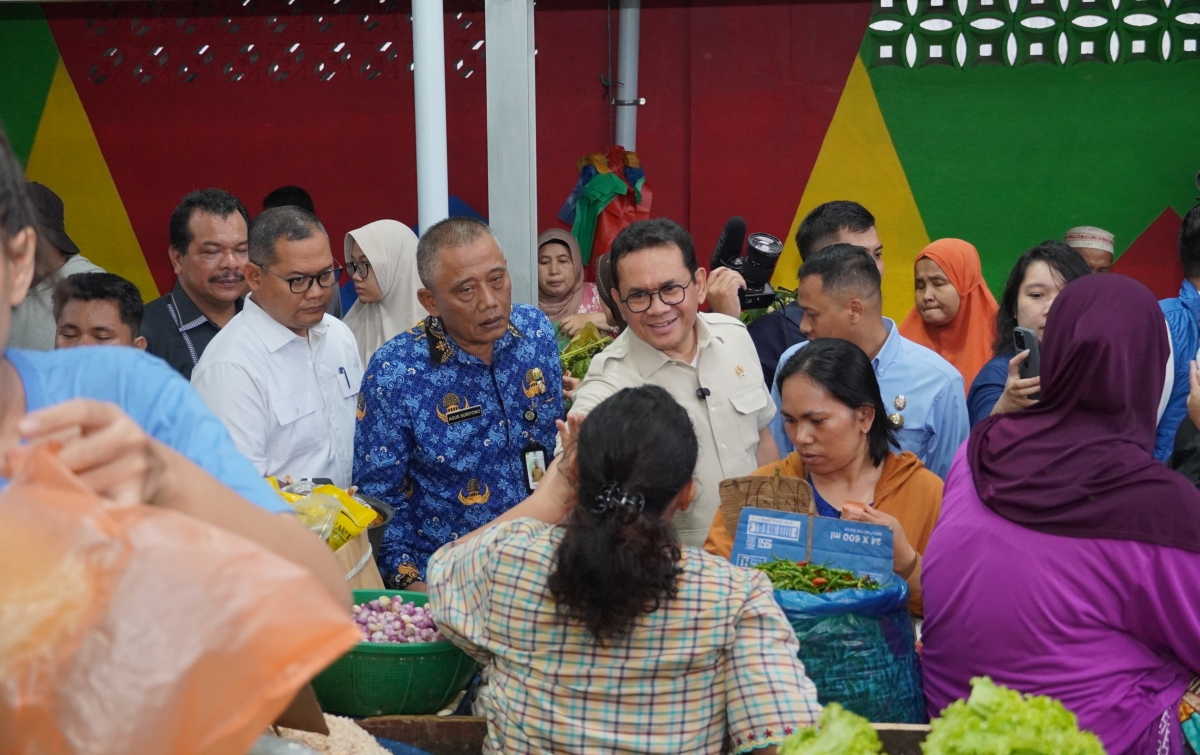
(1090, 237)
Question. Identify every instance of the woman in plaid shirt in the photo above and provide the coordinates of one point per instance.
(604, 634)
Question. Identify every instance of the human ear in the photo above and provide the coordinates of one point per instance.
(22, 253)
(425, 296)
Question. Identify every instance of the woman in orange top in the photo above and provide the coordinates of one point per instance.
(955, 313)
(833, 412)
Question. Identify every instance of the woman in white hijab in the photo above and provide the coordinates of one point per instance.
(382, 260)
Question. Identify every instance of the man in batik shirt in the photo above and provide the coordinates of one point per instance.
(456, 416)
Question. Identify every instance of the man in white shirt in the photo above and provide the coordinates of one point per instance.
(283, 375)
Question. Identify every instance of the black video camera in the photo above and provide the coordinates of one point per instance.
(757, 266)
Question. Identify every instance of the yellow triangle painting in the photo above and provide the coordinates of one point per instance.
(858, 162)
(67, 158)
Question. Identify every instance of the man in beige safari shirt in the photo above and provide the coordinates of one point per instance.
(707, 362)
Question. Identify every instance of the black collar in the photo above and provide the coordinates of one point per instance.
(442, 349)
(188, 311)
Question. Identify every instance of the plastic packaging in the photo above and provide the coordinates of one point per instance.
(141, 630)
(858, 648)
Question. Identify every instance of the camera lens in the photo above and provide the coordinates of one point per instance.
(762, 252)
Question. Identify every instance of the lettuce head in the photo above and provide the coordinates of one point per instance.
(839, 733)
(996, 720)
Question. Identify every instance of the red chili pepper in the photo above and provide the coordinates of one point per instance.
(819, 581)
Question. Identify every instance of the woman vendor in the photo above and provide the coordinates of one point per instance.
(834, 414)
(1065, 561)
(563, 295)
(604, 633)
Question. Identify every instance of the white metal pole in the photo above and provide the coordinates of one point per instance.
(429, 84)
(512, 139)
(627, 73)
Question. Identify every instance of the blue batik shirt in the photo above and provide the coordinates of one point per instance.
(441, 436)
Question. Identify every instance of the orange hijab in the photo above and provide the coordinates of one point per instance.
(966, 341)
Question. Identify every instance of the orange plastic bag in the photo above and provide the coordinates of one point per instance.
(138, 630)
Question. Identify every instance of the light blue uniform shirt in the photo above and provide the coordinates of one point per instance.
(1183, 326)
(920, 386)
(155, 396)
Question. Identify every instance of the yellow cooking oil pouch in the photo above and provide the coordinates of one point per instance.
(351, 520)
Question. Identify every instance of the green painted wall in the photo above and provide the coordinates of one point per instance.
(1006, 156)
(28, 56)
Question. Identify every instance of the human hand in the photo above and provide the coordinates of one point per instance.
(558, 486)
(1193, 401)
(1017, 390)
(104, 447)
(570, 385)
(904, 556)
(572, 324)
(723, 285)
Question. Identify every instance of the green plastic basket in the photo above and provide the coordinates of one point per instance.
(389, 679)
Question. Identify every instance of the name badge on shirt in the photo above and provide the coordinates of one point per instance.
(534, 461)
(454, 409)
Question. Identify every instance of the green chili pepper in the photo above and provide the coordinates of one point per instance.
(813, 578)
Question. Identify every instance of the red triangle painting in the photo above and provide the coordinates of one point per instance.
(1153, 257)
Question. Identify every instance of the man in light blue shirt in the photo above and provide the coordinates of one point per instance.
(840, 294)
(1183, 325)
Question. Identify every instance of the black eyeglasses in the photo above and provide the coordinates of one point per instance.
(301, 283)
(670, 295)
(358, 268)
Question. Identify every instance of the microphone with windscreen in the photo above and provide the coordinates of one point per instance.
(757, 266)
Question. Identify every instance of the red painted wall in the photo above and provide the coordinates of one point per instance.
(738, 101)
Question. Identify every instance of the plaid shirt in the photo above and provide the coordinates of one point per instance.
(713, 668)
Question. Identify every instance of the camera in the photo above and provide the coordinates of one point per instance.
(756, 265)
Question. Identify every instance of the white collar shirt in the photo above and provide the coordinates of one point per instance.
(289, 402)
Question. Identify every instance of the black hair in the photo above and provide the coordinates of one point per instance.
(613, 566)
(451, 232)
(216, 202)
(845, 372)
(821, 227)
(845, 268)
(1064, 262)
(289, 196)
(16, 209)
(102, 287)
(290, 222)
(647, 234)
(1189, 243)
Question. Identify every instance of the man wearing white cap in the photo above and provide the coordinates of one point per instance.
(1094, 244)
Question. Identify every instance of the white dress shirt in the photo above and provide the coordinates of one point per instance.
(289, 402)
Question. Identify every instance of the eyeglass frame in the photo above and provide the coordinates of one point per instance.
(337, 271)
(651, 295)
(352, 268)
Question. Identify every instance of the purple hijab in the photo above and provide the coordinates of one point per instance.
(1079, 463)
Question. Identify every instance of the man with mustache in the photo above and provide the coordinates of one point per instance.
(208, 252)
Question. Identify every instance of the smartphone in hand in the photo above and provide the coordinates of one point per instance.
(1026, 340)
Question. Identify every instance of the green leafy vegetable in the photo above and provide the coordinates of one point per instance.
(996, 720)
(587, 343)
(840, 733)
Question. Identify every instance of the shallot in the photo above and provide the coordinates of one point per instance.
(392, 620)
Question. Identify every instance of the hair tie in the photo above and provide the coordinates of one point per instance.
(612, 497)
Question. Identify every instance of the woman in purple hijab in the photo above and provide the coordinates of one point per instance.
(1067, 560)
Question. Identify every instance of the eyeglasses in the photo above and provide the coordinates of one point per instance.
(670, 295)
(301, 283)
(357, 269)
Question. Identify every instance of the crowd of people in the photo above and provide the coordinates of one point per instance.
(570, 533)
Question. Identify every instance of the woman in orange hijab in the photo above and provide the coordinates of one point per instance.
(955, 313)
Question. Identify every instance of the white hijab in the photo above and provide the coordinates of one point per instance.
(391, 248)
